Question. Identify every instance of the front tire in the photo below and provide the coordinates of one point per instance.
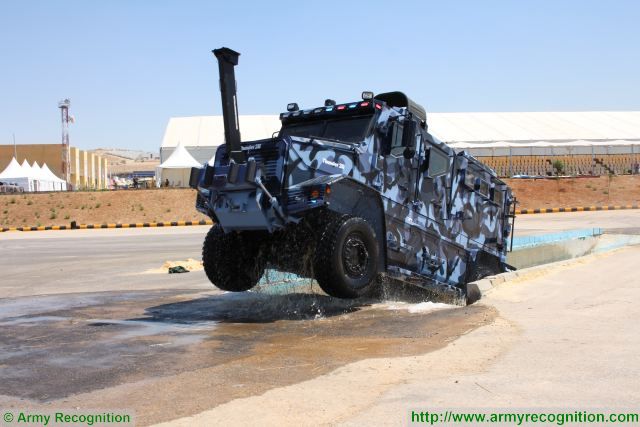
(231, 260)
(346, 261)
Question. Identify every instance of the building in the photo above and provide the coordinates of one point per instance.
(513, 143)
(201, 135)
(88, 170)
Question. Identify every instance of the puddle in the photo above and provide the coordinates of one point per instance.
(421, 307)
(257, 339)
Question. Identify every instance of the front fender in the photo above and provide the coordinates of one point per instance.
(348, 196)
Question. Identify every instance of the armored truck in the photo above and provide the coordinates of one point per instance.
(352, 195)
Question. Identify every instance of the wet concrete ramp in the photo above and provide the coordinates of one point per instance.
(73, 348)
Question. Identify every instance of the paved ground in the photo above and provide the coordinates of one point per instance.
(566, 340)
(623, 221)
(84, 324)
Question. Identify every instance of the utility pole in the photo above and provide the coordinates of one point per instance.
(15, 149)
(66, 163)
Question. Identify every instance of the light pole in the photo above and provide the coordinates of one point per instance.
(64, 113)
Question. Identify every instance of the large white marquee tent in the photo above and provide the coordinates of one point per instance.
(481, 134)
(31, 178)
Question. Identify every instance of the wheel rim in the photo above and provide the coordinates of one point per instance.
(355, 256)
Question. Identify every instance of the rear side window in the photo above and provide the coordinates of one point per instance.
(498, 196)
(484, 188)
(438, 163)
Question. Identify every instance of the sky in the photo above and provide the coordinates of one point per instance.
(128, 66)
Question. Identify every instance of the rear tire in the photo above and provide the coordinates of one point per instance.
(231, 260)
(346, 259)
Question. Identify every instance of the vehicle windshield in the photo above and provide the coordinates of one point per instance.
(347, 129)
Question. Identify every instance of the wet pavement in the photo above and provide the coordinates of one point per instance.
(198, 349)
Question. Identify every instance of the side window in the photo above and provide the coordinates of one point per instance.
(396, 140)
(484, 188)
(470, 180)
(498, 196)
(438, 163)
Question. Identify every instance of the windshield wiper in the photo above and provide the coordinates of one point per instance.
(324, 138)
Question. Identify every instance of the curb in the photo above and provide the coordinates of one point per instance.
(576, 209)
(74, 226)
(486, 284)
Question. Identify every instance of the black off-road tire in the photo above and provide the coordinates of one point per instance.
(346, 258)
(231, 260)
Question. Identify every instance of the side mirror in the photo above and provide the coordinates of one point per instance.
(409, 134)
(409, 153)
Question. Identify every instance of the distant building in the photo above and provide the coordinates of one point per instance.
(600, 142)
(88, 170)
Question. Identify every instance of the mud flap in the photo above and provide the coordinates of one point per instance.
(472, 293)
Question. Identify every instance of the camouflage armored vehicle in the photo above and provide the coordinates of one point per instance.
(350, 194)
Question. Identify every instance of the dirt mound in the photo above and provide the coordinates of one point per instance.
(128, 206)
(572, 192)
(98, 207)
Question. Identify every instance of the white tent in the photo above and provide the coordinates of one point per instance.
(43, 182)
(177, 168)
(58, 184)
(15, 174)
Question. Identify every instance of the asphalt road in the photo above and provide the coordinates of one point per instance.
(53, 262)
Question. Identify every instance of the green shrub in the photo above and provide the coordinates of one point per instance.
(558, 166)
